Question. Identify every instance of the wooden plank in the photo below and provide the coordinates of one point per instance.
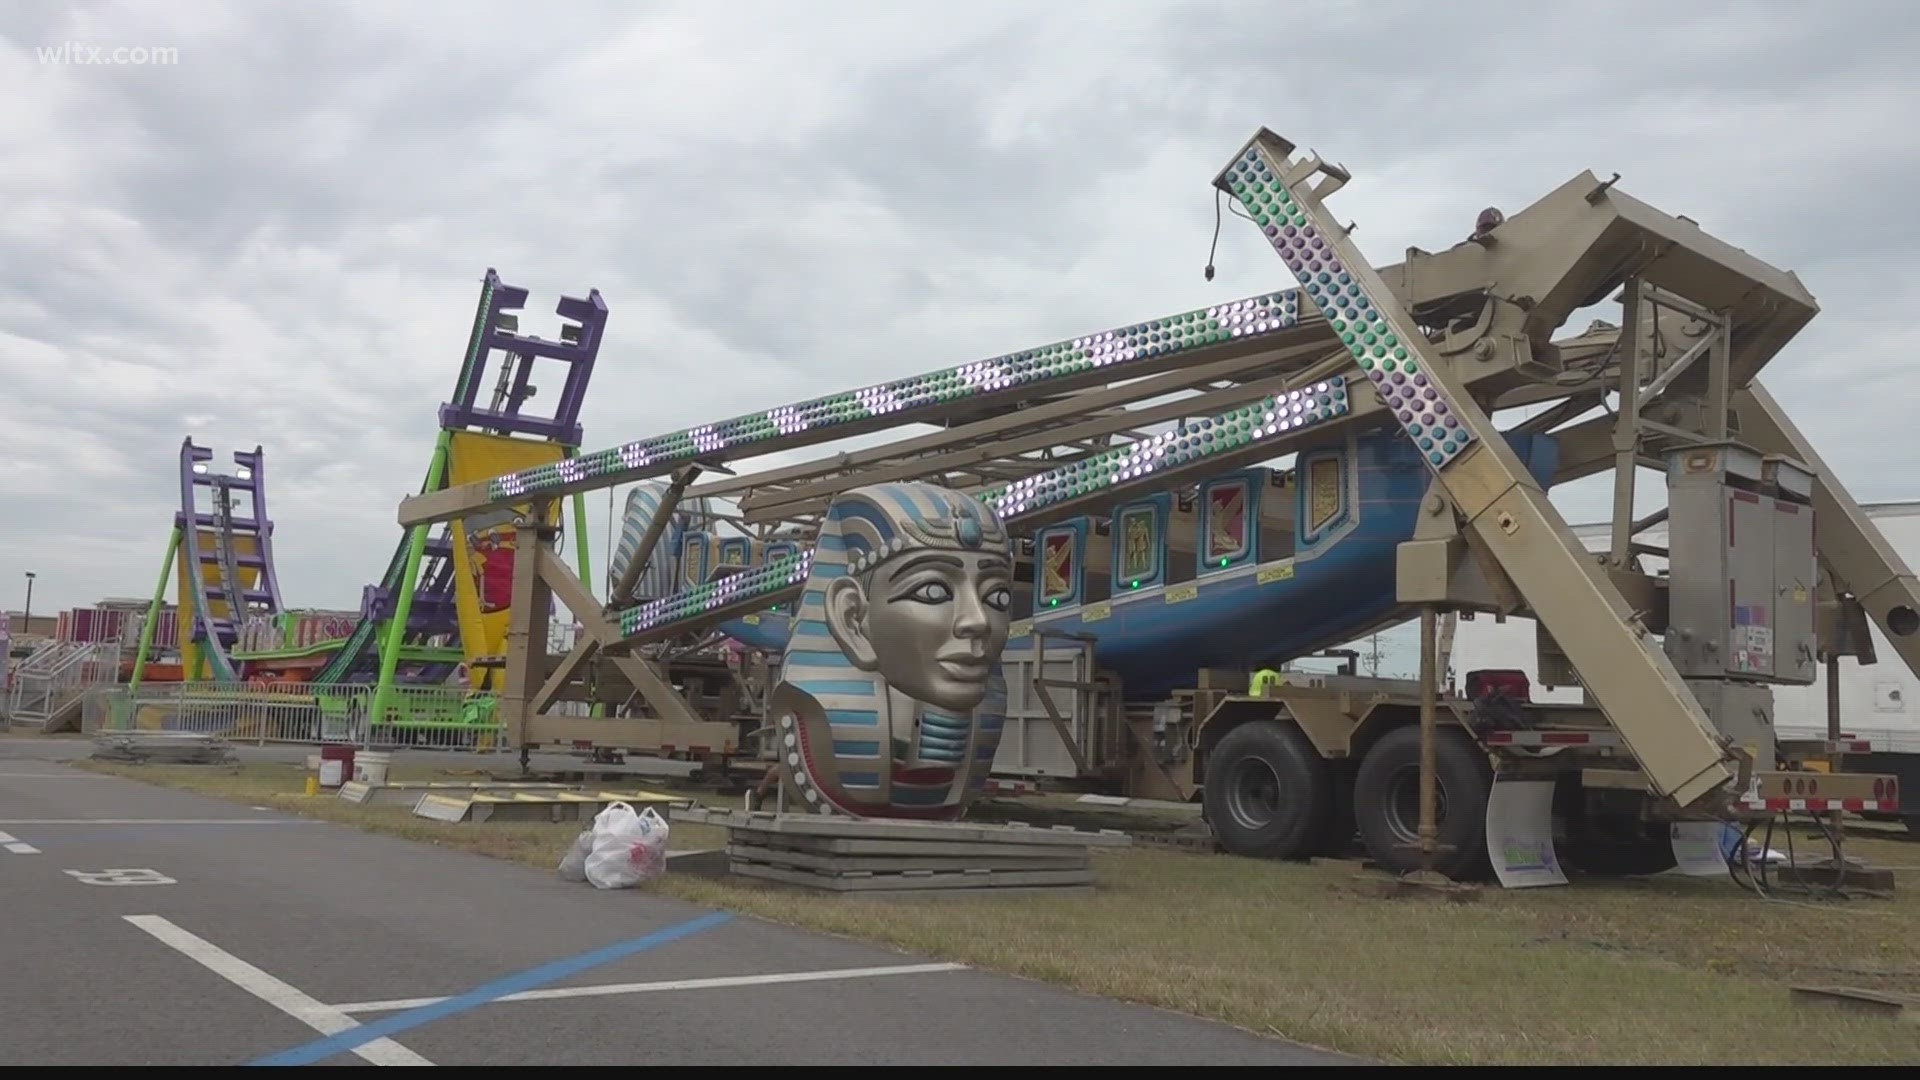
(874, 828)
(479, 813)
(983, 882)
(858, 846)
(836, 865)
(398, 794)
(442, 807)
(1905, 1007)
(944, 895)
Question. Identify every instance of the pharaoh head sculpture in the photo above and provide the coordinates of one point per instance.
(891, 694)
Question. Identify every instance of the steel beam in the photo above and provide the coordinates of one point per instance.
(813, 498)
(659, 694)
(526, 667)
(1630, 679)
(771, 483)
(1128, 352)
(620, 591)
(1580, 254)
(1626, 431)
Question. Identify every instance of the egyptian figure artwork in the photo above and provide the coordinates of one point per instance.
(891, 695)
(1138, 552)
(1056, 570)
(1227, 523)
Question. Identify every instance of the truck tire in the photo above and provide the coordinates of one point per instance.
(1267, 794)
(1386, 802)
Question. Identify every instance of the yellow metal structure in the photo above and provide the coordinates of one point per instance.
(483, 549)
(194, 663)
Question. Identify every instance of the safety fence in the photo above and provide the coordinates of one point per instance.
(419, 717)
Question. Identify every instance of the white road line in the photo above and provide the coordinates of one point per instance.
(15, 846)
(610, 989)
(160, 821)
(324, 1019)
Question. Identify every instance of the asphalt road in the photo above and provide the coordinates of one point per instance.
(146, 926)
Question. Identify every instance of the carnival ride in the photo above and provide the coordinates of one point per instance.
(1159, 573)
(441, 605)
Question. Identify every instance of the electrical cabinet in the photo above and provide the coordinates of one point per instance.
(1741, 565)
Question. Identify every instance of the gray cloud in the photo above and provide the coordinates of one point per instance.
(278, 239)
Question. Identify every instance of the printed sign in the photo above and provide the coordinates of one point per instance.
(1520, 834)
(1699, 848)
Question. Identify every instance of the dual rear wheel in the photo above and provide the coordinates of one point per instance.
(1269, 794)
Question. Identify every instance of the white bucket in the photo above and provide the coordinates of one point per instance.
(370, 766)
(330, 772)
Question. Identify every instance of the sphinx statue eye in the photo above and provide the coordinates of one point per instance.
(930, 592)
(1000, 598)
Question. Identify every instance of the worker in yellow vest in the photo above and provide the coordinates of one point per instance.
(1263, 679)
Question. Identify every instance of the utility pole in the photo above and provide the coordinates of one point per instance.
(26, 617)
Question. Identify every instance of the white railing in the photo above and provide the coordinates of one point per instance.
(424, 717)
(50, 679)
(49, 655)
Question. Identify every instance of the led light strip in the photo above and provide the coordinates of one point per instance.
(1254, 317)
(783, 573)
(1269, 419)
(1423, 407)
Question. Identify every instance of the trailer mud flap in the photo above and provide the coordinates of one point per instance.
(1520, 834)
(1700, 848)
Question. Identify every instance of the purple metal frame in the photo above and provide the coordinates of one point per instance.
(588, 327)
(434, 610)
(215, 634)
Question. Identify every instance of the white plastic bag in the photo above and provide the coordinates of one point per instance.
(628, 848)
(573, 865)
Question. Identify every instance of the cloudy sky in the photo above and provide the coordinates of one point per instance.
(277, 239)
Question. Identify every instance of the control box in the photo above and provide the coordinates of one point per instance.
(1743, 577)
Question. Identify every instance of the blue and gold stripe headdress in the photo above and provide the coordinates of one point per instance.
(862, 529)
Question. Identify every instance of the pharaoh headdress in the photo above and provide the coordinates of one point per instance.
(843, 742)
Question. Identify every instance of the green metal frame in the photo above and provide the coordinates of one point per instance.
(396, 628)
(392, 634)
(153, 610)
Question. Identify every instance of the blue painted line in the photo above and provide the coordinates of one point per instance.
(321, 1049)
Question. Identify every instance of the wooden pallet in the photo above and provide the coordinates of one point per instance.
(404, 792)
(872, 857)
(549, 806)
(817, 825)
